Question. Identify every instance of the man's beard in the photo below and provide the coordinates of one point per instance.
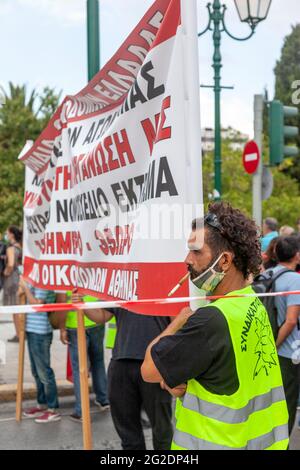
(193, 273)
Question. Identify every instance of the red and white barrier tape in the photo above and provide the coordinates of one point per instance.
(17, 309)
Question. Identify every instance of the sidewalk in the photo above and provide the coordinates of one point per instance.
(9, 370)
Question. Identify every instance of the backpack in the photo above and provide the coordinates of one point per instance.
(265, 283)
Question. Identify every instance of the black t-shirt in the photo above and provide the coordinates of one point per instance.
(201, 350)
(135, 333)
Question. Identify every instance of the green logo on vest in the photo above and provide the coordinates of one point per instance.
(265, 347)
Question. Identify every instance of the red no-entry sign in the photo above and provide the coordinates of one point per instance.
(251, 157)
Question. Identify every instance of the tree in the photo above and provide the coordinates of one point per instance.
(287, 72)
(284, 204)
(23, 116)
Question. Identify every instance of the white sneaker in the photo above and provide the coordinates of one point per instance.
(48, 417)
(104, 407)
(34, 412)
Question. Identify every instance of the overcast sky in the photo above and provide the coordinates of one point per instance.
(43, 42)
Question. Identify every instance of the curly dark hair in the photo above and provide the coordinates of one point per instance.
(236, 233)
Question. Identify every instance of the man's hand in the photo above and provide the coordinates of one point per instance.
(76, 297)
(22, 283)
(64, 336)
(185, 313)
(176, 392)
(20, 291)
(181, 319)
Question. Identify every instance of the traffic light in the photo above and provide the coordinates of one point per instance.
(279, 132)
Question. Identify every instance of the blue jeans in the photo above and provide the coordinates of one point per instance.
(39, 354)
(94, 343)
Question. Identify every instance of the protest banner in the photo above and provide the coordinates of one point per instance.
(115, 179)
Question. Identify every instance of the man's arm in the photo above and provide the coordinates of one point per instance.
(292, 315)
(97, 315)
(61, 298)
(149, 370)
(29, 296)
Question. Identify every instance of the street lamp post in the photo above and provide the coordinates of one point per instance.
(93, 38)
(251, 12)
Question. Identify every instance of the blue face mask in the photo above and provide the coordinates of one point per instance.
(209, 279)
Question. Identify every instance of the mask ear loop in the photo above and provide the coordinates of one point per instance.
(209, 268)
(218, 272)
(217, 260)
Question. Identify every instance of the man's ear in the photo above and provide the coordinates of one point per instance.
(226, 261)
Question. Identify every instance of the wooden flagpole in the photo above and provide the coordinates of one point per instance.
(84, 385)
(19, 398)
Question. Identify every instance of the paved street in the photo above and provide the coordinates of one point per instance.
(64, 434)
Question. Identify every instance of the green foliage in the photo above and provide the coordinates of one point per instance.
(236, 183)
(22, 117)
(284, 204)
(287, 71)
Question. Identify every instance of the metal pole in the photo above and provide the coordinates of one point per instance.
(257, 177)
(93, 39)
(217, 65)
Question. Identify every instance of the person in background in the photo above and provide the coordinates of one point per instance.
(11, 273)
(288, 307)
(39, 339)
(128, 393)
(286, 231)
(269, 257)
(269, 229)
(94, 340)
(110, 340)
(2, 259)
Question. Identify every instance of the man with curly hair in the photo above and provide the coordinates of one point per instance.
(221, 361)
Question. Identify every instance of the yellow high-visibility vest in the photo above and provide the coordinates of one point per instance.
(71, 320)
(111, 332)
(255, 417)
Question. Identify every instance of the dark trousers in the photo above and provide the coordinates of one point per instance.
(128, 394)
(290, 377)
(94, 344)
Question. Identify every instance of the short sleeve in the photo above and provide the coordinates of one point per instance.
(294, 285)
(42, 294)
(187, 354)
